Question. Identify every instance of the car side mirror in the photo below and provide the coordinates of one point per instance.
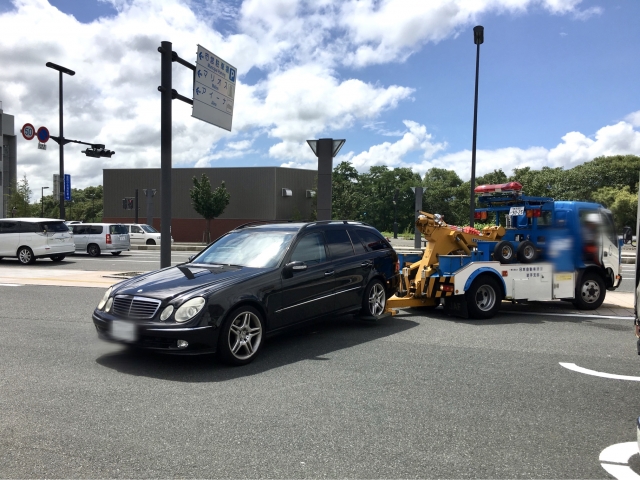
(292, 267)
(191, 257)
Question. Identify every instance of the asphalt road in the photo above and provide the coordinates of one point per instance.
(408, 397)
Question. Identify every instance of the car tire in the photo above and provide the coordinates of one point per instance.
(57, 258)
(374, 300)
(527, 252)
(241, 336)
(93, 250)
(25, 256)
(504, 252)
(151, 242)
(484, 297)
(116, 253)
(590, 292)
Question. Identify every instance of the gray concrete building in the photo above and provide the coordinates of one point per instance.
(256, 194)
(8, 160)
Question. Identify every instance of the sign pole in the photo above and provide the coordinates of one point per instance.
(165, 152)
(61, 149)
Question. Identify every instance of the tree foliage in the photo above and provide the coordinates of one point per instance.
(207, 202)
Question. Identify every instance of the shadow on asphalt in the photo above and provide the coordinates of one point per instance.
(311, 342)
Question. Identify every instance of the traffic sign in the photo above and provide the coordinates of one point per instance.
(214, 89)
(43, 134)
(28, 132)
(67, 186)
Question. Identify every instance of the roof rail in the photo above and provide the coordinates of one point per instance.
(261, 222)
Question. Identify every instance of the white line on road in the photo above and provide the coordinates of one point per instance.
(586, 371)
(615, 459)
(11, 285)
(553, 314)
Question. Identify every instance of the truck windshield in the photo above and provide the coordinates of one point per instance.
(260, 249)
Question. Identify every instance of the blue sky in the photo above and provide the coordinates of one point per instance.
(395, 78)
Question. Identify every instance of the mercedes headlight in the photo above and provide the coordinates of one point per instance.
(107, 294)
(189, 309)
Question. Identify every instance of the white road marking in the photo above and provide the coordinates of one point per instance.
(586, 371)
(552, 314)
(11, 285)
(615, 460)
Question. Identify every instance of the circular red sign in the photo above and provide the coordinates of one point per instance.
(28, 132)
(43, 134)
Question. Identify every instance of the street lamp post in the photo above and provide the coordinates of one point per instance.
(325, 149)
(478, 39)
(42, 201)
(62, 141)
(395, 214)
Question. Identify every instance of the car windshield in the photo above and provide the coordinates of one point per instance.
(260, 249)
(148, 229)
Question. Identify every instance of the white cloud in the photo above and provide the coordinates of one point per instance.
(297, 48)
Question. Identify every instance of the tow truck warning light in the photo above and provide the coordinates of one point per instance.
(498, 188)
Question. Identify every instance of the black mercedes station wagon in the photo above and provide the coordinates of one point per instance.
(251, 282)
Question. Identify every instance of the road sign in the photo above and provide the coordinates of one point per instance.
(67, 186)
(214, 89)
(28, 132)
(43, 134)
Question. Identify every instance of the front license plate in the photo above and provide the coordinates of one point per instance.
(123, 331)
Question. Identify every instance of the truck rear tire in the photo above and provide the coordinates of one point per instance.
(484, 297)
(504, 252)
(527, 252)
(590, 292)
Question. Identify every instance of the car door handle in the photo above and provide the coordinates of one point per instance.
(365, 264)
(326, 274)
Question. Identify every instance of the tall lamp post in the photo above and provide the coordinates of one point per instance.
(42, 201)
(478, 39)
(325, 149)
(61, 140)
(395, 214)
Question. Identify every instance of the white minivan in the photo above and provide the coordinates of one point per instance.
(31, 238)
(143, 234)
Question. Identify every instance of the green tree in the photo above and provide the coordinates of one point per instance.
(378, 189)
(19, 197)
(441, 188)
(207, 202)
(347, 198)
(622, 203)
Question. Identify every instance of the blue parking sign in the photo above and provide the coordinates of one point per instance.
(67, 186)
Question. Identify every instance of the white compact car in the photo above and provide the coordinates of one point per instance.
(31, 238)
(143, 234)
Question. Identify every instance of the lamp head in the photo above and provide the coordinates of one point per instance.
(478, 35)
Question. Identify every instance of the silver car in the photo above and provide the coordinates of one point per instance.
(96, 238)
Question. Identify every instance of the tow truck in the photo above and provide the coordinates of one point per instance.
(536, 249)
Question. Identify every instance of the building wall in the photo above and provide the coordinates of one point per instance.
(255, 195)
(8, 160)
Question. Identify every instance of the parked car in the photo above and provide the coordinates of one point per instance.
(32, 238)
(96, 238)
(253, 281)
(143, 234)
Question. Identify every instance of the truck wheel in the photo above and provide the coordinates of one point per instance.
(504, 252)
(484, 297)
(590, 292)
(527, 252)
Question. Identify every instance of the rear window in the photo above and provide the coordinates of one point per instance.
(118, 229)
(53, 227)
(339, 243)
(371, 240)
